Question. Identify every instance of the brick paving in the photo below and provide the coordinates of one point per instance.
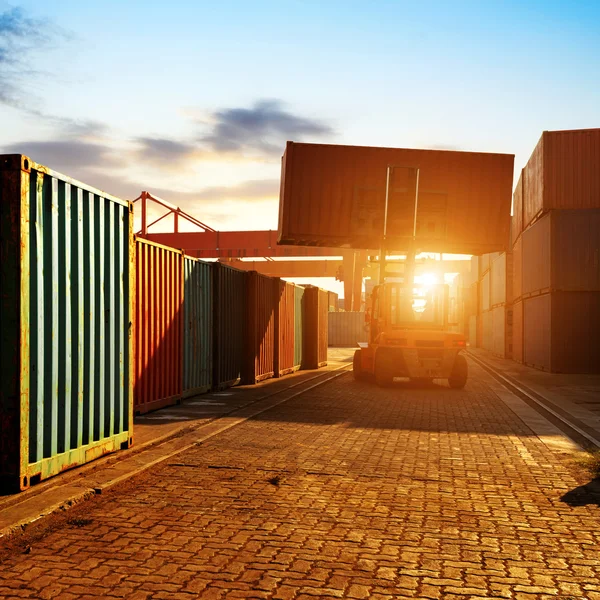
(348, 491)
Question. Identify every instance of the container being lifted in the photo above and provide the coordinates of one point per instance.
(405, 201)
(335, 196)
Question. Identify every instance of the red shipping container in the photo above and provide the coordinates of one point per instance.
(284, 328)
(261, 327)
(333, 195)
(562, 173)
(159, 331)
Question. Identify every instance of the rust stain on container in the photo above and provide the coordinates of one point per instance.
(284, 328)
(159, 339)
(563, 173)
(262, 292)
(335, 196)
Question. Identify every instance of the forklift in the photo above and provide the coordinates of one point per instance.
(407, 322)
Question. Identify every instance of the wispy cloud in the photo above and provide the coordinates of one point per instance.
(165, 152)
(264, 128)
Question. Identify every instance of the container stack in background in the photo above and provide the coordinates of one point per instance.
(556, 234)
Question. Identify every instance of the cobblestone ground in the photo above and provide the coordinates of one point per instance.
(347, 491)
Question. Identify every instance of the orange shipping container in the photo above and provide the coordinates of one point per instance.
(159, 331)
(517, 336)
(261, 327)
(335, 196)
(284, 328)
(562, 173)
(516, 222)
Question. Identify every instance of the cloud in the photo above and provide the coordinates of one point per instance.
(255, 189)
(163, 151)
(68, 156)
(264, 128)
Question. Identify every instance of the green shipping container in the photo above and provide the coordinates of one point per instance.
(67, 277)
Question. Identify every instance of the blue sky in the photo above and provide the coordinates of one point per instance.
(195, 100)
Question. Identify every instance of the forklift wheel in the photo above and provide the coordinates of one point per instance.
(357, 370)
(460, 371)
(383, 369)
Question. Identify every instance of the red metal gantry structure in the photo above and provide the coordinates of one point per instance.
(233, 246)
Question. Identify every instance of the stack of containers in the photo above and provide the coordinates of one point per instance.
(472, 300)
(501, 276)
(485, 315)
(315, 340)
(333, 302)
(557, 254)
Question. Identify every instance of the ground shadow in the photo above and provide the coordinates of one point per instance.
(584, 495)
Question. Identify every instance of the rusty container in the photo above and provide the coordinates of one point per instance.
(562, 173)
(197, 327)
(517, 278)
(335, 196)
(159, 315)
(315, 328)
(262, 291)
(230, 317)
(516, 221)
(298, 326)
(66, 323)
(517, 331)
(285, 331)
(561, 252)
(346, 329)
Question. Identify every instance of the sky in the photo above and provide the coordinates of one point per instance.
(194, 101)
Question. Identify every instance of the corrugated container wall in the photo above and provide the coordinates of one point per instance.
(517, 336)
(518, 269)
(230, 314)
(536, 332)
(501, 280)
(68, 285)
(315, 328)
(346, 329)
(502, 331)
(335, 196)
(484, 292)
(333, 302)
(197, 337)
(473, 331)
(516, 221)
(159, 314)
(487, 341)
(261, 327)
(563, 173)
(561, 252)
(285, 328)
(298, 325)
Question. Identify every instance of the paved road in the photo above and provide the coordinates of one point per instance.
(347, 491)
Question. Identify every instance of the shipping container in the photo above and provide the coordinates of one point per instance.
(298, 325)
(517, 269)
(346, 329)
(473, 331)
(487, 340)
(562, 173)
(516, 222)
(501, 276)
(484, 264)
(562, 332)
(262, 293)
(484, 293)
(315, 328)
(335, 196)
(472, 275)
(502, 331)
(159, 314)
(561, 252)
(68, 287)
(230, 315)
(517, 335)
(536, 332)
(333, 302)
(197, 338)
(285, 318)
(471, 300)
